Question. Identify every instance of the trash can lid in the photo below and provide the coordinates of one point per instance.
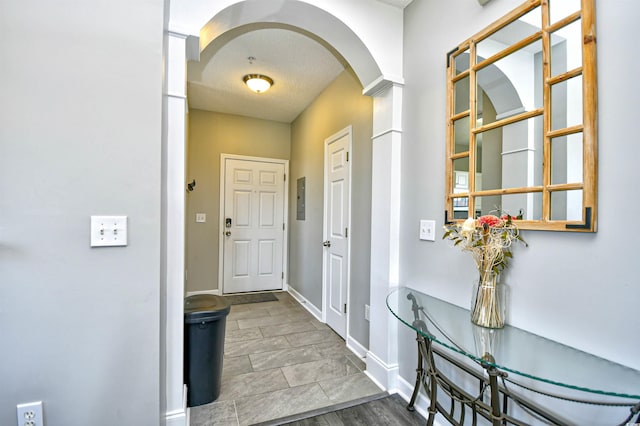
(205, 307)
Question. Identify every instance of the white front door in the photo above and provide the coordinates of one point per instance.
(252, 225)
(336, 230)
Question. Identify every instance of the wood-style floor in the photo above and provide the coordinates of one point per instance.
(280, 361)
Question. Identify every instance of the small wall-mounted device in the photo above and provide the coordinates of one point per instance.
(108, 231)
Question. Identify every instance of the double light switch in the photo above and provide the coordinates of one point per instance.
(108, 231)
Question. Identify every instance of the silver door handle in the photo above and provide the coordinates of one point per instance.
(228, 233)
(327, 243)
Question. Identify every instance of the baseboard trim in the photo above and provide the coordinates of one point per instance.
(178, 417)
(317, 313)
(354, 346)
(384, 375)
(214, 292)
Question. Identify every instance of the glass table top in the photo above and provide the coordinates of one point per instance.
(512, 349)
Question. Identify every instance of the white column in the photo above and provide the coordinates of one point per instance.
(173, 232)
(382, 358)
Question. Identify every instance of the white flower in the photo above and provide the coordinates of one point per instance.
(468, 228)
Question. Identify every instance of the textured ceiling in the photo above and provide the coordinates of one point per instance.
(300, 67)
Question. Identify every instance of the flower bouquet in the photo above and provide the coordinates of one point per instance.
(489, 239)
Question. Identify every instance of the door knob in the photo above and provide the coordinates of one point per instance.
(327, 243)
(228, 233)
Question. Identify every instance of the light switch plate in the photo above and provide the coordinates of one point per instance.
(108, 231)
(428, 230)
(201, 217)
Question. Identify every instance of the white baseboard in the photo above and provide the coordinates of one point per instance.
(384, 375)
(178, 417)
(356, 347)
(317, 313)
(214, 292)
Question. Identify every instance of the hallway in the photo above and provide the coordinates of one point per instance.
(280, 361)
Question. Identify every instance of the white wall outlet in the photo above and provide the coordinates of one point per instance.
(201, 217)
(30, 414)
(428, 230)
(366, 312)
(108, 231)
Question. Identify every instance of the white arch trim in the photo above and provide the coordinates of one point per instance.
(353, 28)
(386, 91)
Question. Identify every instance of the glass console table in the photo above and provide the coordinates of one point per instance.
(507, 356)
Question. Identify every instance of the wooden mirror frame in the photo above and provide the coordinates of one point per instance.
(588, 128)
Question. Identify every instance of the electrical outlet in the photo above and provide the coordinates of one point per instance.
(366, 312)
(30, 414)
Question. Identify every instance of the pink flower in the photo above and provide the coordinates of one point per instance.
(506, 217)
(490, 220)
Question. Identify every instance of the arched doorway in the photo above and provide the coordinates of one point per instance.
(374, 59)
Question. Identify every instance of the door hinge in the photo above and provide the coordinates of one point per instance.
(344, 308)
(283, 275)
(285, 177)
(283, 226)
(347, 156)
(346, 232)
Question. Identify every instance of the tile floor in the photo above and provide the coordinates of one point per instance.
(279, 361)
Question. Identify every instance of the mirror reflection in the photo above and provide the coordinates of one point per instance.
(559, 9)
(500, 122)
(566, 159)
(566, 205)
(566, 103)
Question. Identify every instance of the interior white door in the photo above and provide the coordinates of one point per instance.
(336, 223)
(253, 225)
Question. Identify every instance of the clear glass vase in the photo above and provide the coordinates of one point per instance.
(488, 302)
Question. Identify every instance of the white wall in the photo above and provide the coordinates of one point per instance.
(580, 289)
(80, 134)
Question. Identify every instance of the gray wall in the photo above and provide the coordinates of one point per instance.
(339, 105)
(212, 134)
(80, 135)
(580, 289)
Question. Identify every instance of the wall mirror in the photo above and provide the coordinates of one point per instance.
(521, 134)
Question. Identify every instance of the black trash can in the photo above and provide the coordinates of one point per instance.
(205, 318)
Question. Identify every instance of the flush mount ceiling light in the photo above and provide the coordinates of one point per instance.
(257, 82)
